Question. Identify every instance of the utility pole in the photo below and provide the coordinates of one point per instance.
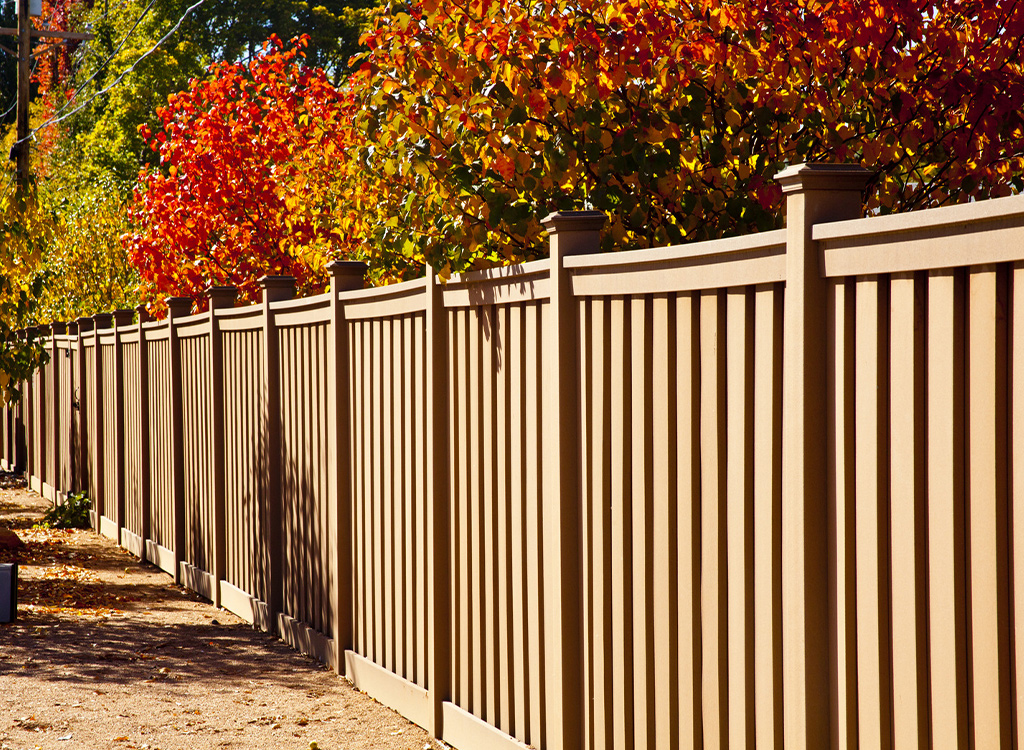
(25, 33)
(24, 89)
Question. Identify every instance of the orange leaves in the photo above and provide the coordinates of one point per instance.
(467, 122)
(236, 196)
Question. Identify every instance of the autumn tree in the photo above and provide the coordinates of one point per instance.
(26, 229)
(466, 123)
(476, 119)
(243, 188)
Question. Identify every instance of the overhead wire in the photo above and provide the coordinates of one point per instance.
(105, 63)
(61, 117)
(14, 104)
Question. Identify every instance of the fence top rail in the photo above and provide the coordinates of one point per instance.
(940, 238)
(153, 325)
(380, 293)
(156, 333)
(716, 264)
(711, 249)
(249, 311)
(523, 282)
(508, 274)
(994, 210)
(192, 328)
(394, 300)
(199, 317)
(302, 304)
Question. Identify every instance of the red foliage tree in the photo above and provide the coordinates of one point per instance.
(240, 191)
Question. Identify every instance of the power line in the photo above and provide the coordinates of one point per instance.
(15, 102)
(106, 62)
(54, 120)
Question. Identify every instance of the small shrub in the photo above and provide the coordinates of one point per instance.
(73, 513)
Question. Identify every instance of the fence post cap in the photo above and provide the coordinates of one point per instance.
(143, 312)
(346, 267)
(103, 320)
(276, 282)
(178, 306)
(277, 288)
(823, 176)
(346, 275)
(221, 295)
(58, 327)
(85, 323)
(123, 317)
(574, 221)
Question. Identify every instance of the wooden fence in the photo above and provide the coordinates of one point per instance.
(752, 492)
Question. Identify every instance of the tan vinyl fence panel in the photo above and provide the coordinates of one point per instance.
(198, 451)
(134, 449)
(246, 502)
(160, 458)
(66, 423)
(49, 386)
(37, 428)
(109, 450)
(756, 492)
(87, 406)
(925, 368)
(307, 570)
(497, 463)
(681, 517)
(389, 492)
(7, 460)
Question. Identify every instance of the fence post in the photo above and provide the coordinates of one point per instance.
(218, 297)
(99, 321)
(438, 450)
(345, 276)
(145, 462)
(815, 193)
(84, 325)
(122, 318)
(571, 233)
(275, 289)
(177, 307)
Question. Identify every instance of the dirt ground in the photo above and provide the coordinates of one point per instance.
(108, 653)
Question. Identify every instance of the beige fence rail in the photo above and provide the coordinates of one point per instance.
(761, 491)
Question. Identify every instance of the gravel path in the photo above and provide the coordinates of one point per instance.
(108, 653)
